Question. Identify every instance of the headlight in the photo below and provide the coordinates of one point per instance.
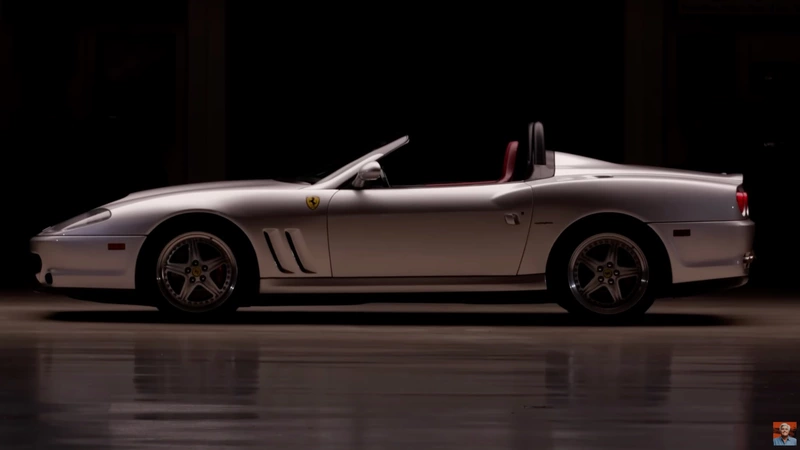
(93, 216)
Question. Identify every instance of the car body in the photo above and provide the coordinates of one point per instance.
(353, 232)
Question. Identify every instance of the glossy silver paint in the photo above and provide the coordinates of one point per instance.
(444, 231)
(333, 237)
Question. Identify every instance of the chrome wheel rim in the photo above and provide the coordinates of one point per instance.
(608, 273)
(197, 272)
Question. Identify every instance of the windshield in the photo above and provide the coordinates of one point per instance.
(329, 166)
(377, 153)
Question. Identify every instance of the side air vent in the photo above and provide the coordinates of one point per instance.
(296, 255)
(274, 255)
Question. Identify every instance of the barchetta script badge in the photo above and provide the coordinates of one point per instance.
(312, 202)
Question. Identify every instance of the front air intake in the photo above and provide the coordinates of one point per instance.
(274, 255)
(292, 247)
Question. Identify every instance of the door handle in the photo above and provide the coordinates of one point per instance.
(512, 219)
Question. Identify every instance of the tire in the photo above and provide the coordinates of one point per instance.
(592, 281)
(196, 272)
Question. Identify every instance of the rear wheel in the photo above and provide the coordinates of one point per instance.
(605, 276)
(195, 274)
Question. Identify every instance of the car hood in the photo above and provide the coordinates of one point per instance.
(568, 164)
(212, 186)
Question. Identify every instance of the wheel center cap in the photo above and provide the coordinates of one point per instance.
(607, 273)
(196, 271)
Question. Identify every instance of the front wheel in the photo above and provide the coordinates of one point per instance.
(606, 275)
(193, 273)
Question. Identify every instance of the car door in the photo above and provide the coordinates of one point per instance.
(478, 230)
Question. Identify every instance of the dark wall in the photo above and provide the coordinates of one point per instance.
(95, 102)
(90, 110)
(736, 96)
(329, 83)
(94, 96)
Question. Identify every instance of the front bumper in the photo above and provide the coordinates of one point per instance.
(87, 262)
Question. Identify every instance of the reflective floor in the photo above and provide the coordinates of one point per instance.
(698, 373)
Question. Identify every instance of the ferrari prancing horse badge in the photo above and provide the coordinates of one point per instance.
(312, 202)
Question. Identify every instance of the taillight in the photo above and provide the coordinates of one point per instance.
(741, 200)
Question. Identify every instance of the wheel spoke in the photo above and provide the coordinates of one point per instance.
(590, 262)
(613, 253)
(186, 290)
(211, 287)
(627, 272)
(214, 263)
(613, 289)
(194, 251)
(179, 269)
(592, 286)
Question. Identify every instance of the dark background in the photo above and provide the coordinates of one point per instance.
(99, 99)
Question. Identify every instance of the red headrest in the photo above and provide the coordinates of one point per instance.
(509, 162)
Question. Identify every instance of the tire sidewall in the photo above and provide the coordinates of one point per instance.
(147, 265)
(557, 273)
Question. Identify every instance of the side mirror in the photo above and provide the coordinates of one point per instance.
(370, 171)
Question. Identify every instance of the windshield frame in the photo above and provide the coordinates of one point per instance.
(340, 176)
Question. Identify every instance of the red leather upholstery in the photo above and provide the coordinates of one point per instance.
(508, 169)
(509, 162)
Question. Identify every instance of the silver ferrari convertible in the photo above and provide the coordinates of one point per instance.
(605, 240)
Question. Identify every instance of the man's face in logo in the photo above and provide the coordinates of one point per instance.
(784, 430)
